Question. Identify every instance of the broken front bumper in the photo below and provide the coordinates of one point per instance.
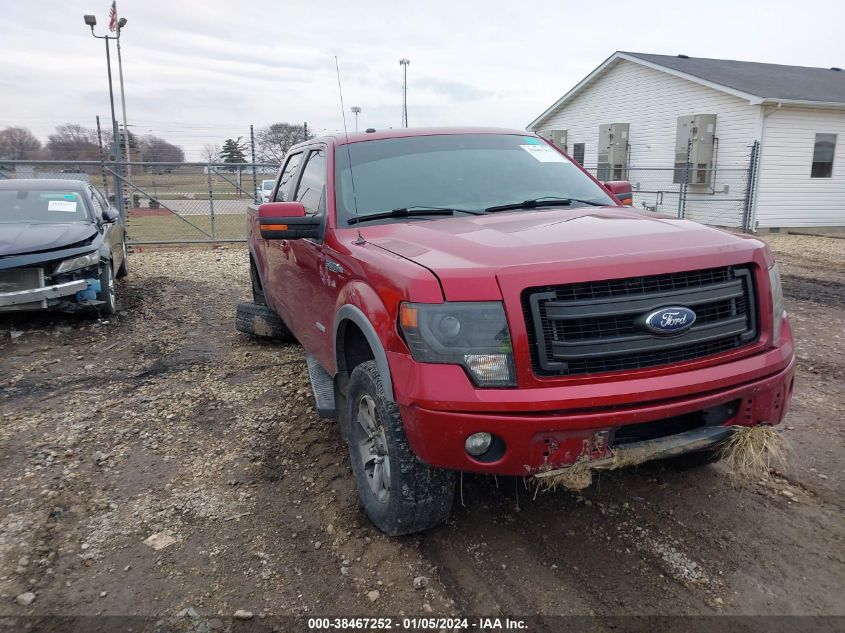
(659, 448)
(41, 295)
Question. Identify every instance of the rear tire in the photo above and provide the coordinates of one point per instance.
(261, 320)
(400, 494)
(107, 292)
(257, 291)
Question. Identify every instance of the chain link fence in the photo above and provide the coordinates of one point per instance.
(166, 202)
(720, 195)
(199, 202)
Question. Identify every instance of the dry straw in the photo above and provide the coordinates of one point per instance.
(755, 453)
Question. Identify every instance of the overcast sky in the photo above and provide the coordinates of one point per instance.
(199, 72)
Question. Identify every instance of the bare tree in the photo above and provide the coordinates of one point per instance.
(18, 143)
(73, 142)
(157, 150)
(274, 141)
(211, 153)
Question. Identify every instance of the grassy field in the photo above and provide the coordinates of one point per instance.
(162, 228)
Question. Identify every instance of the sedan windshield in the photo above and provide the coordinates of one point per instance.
(46, 206)
(469, 172)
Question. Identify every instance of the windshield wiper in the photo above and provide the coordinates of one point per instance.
(408, 212)
(536, 203)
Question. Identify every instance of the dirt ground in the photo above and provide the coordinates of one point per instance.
(165, 421)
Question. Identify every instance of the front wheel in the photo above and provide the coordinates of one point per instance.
(401, 494)
(107, 291)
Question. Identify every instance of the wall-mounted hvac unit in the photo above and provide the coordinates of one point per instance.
(613, 152)
(696, 134)
(558, 137)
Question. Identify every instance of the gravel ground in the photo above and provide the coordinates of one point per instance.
(162, 464)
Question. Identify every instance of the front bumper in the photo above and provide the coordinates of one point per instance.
(20, 298)
(541, 440)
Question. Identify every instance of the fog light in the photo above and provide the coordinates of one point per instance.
(490, 369)
(478, 443)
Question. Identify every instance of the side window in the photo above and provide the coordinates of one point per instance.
(97, 202)
(312, 186)
(286, 182)
(823, 151)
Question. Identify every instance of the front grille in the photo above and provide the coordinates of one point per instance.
(595, 327)
(17, 279)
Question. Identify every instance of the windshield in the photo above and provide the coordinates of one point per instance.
(459, 171)
(54, 206)
(267, 185)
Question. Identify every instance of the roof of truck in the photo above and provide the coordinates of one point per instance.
(340, 138)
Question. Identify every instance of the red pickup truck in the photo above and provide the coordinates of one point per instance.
(473, 300)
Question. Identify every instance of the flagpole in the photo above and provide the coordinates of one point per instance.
(123, 101)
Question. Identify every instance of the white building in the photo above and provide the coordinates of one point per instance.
(638, 116)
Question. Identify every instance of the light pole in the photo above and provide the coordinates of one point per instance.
(404, 63)
(356, 111)
(91, 21)
(120, 24)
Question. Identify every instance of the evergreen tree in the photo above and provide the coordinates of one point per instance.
(234, 150)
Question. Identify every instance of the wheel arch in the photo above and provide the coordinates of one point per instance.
(351, 315)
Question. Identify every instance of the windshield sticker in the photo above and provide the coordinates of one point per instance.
(61, 205)
(544, 153)
(531, 140)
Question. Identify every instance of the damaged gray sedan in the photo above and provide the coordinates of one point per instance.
(61, 246)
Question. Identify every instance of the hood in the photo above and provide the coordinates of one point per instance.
(19, 238)
(462, 251)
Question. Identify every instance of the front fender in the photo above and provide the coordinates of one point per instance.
(361, 305)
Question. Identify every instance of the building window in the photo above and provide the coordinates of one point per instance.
(823, 156)
(578, 153)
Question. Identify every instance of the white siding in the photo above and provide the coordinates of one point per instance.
(651, 102)
(786, 195)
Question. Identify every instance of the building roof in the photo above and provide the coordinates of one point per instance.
(766, 81)
(757, 82)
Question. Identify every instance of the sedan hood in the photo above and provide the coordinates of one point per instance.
(463, 250)
(20, 238)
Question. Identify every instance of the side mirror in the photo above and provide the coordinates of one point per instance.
(110, 215)
(287, 221)
(623, 191)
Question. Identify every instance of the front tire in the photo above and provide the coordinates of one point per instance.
(124, 264)
(400, 494)
(107, 292)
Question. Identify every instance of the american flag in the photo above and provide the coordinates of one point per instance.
(113, 16)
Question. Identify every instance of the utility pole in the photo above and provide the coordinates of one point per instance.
(404, 63)
(356, 111)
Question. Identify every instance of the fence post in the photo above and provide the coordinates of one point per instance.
(254, 178)
(211, 202)
(749, 188)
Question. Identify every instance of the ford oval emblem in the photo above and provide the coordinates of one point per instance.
(671, 320)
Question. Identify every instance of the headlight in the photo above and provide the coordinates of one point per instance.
(777, 302)
(82, 261)
(473, 335)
